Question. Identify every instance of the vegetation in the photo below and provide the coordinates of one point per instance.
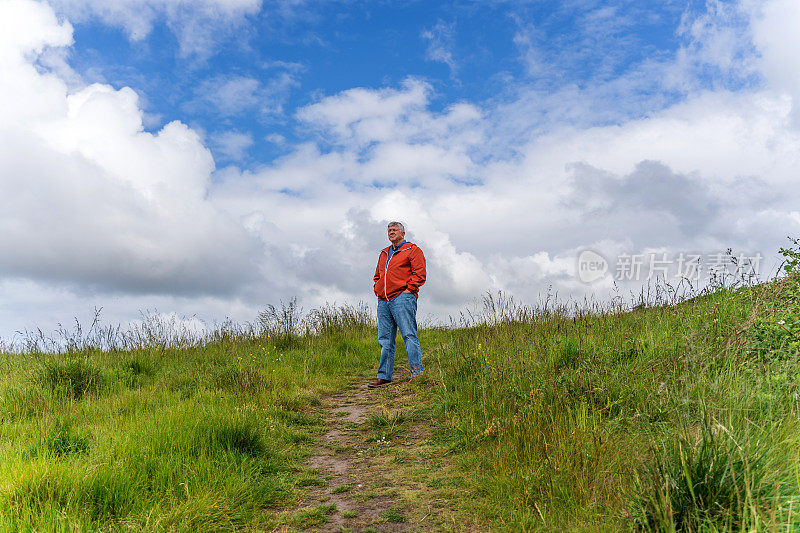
(673, 413)
(171, 432)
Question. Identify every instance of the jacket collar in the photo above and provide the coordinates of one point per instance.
(398, 249)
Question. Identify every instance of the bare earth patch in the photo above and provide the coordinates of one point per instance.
(377, 469)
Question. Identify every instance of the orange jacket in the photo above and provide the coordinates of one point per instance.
(405, 270)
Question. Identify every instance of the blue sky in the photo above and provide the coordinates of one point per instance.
(467, 51)
(205, 158)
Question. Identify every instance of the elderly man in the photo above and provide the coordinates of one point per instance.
(398, 276)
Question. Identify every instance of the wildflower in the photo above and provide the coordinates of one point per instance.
(492, 429)
(781, 322)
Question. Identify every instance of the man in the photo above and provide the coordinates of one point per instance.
(398, 276)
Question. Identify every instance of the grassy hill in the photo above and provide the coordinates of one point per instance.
(670, 417)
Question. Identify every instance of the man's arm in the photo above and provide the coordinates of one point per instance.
(377, 275)
(417, 260)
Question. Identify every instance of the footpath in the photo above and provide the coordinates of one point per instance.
(376, 467)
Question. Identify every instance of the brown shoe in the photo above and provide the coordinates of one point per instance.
(377, 382)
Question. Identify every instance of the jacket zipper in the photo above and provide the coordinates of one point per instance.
(386, 271)
(386, 274)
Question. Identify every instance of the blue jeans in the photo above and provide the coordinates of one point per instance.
(400, 312)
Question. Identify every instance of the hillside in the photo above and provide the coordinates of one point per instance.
(671, 417)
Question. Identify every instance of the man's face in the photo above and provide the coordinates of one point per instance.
(395, 235)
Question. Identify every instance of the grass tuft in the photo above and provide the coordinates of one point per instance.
(239, 436)
(342, 488)
(65, 440)
(393, 515)
(316, 516)
(70, 378)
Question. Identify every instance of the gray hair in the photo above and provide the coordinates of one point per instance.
(398, 224)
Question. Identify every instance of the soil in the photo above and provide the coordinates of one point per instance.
(374, 461)
(337, 459)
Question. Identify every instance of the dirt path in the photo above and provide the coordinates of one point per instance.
(375, 466)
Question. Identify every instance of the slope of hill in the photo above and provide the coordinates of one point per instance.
(674, 417)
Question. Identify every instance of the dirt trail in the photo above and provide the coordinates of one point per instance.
(375, 464)
(340, 458)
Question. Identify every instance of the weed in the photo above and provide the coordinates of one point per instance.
(240, 379)
(386, 425)
(65, 440)
(283, 324)
(332, 319)
(366, 496)
(186, 387)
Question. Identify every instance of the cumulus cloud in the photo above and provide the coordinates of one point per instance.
(394, 136)
(90, 198)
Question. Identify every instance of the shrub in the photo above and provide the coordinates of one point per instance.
(775, 333)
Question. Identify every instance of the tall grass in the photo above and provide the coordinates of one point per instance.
(165, 428)
(670, 413)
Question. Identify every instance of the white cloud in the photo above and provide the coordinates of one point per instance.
(441, 40)
(716, 47)
(233, 144)
(395, 137)
(776, 33)
(92, 200)
(29, 28)
(234, 95)
(197, 23)
(276, 139)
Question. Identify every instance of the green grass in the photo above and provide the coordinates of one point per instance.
(393, 515)
(680, 417)
(342, 488)
(313, 517)
(202, 437)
